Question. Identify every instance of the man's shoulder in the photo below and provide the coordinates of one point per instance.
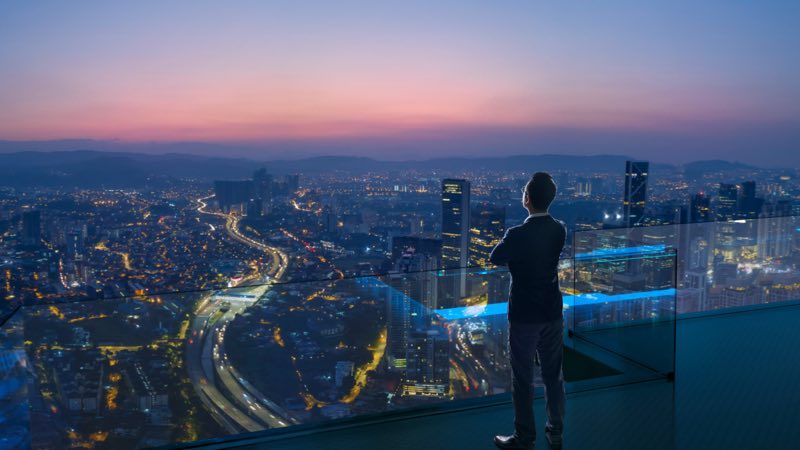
(515, 230)
(560, 223)
(548, 222)
(555, 223)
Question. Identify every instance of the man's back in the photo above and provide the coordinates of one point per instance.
(536, 324)
(532, 251)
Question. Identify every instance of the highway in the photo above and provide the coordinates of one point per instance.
(202, 376)
(233, 401)
(247, 397)
(280, 260)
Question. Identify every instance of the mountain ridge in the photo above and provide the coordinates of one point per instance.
(89, 168)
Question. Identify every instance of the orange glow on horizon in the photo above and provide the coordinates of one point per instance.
(235, 107)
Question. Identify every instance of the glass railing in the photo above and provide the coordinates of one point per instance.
(721, 266)
(625, 302)
(134, 371)
(149, 370)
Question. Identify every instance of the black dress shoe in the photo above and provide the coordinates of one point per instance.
(555, 439)
(513, 443)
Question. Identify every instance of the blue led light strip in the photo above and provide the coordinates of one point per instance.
(623, 251)
(494, 309)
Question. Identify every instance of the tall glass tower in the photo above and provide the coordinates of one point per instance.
(726, 202)
(455, 231)
(487, 226)
(636, 173)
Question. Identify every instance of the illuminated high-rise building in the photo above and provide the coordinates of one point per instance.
(487, 226)
(455, 231)
(700, 208)
(411, 297)
(775, 230)
(748, 205)
(75, 241)
(428, 363)
(583, 187)
(696, 239)
(635, 198)
(727, 198)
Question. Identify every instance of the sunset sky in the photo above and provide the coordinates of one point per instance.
(479, 77)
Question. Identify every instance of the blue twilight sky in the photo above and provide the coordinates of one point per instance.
(669, 81)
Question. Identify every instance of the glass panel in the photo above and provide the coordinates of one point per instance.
(150, 370)
(744, 263)
(624, 303)
(739, 264)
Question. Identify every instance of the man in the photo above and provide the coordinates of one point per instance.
(536, 325)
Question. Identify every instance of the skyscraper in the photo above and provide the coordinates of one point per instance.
(775, 230)
(748, 205)
(31, 227)
(262, 188)
(727, 198)
(700, 208)
(419, 278)
(583, 187)
(411, 295)
(75, 241)
(428, 363)
(696, 239)
(230, 194)
(487, 226)
(748, 189)
(455, 230)
(635, 199)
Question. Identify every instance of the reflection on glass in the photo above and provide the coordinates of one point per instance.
(720, 265)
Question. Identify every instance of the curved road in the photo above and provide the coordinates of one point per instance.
(233, 401)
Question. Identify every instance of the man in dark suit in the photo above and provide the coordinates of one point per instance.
(536, 324)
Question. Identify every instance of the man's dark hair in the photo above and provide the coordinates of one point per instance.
(541, 190)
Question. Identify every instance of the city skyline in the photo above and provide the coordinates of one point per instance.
(364, 79)
(143, 306)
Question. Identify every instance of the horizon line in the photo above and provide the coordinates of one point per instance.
(371, 158)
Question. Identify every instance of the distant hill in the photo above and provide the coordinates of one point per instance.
(717, 164)
(87, 168)
(598, 163)
(90, 168)
(698, 169)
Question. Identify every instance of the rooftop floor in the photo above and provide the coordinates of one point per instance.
(736, 387)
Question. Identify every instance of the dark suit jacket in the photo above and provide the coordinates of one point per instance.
(532, 251)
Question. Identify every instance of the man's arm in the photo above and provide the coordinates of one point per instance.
(502, 253)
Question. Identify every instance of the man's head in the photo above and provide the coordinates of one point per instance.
(539, 192)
